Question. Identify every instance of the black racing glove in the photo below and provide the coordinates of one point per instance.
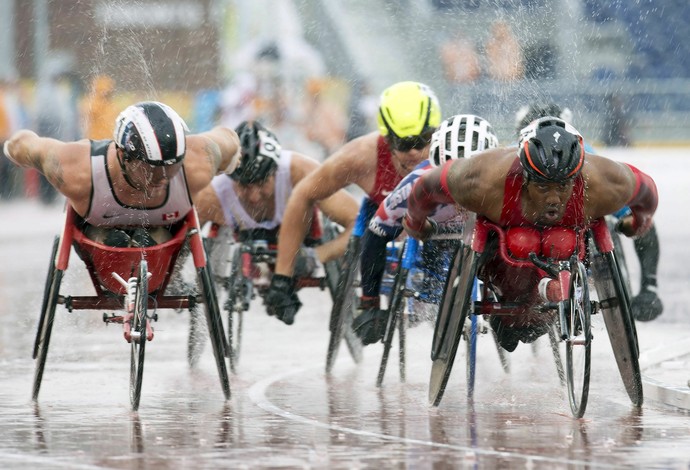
(370, 324)
(281, 300)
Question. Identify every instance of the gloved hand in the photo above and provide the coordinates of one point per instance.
(306, 262)
(646, 305)
(370, 324)
(281, 300)
(420, 231)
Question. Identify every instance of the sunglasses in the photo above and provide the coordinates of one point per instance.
(413, 142)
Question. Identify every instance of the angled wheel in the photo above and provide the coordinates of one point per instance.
(138, 339)
(471, 356)
(455, 306)
(620, 254)
(215, 327)
(239, 293)
(51, 295)
(578, 344)
(396, 308)
(343, 303)
(615, 306)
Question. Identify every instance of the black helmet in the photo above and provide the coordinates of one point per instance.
(152, 132)
(529, 113)
(551, 150)
(260, 153)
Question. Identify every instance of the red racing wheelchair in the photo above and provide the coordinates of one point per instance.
(593, 257)
(134, 281)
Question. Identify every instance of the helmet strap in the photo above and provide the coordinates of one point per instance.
(121, 161)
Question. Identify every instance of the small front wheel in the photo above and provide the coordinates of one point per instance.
(138, 324)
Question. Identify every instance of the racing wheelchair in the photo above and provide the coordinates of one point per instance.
(133, 280)
(414, 283)
(242, 263)
(593, 254)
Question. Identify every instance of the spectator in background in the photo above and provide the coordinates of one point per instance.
(57, 117)
(362, 110)
(98, 109)
(325, 122)
(461, 64)
(13, 116)
(505, 61)
(616, 122)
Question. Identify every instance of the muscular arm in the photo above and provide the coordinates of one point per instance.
(341, 208)
(65, 165)
(355, 163)
(208, 154)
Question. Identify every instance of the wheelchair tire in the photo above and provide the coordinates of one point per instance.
(46, 295)
(138, 336)
(578, 347)
(620, 255)
(215, 327)
(455, 306)
(343, 303)
(615, 306)
(235, 306)
(50, 301)
(396, 320)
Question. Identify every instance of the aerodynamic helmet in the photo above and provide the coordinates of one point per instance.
(152, 132)
(551, 150)
(529, 113)
(260, 153)
(409, 113)
(461, 136)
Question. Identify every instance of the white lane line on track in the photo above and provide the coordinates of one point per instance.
(257, 394)
(49, 462)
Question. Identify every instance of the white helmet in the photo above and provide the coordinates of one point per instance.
(461, 136)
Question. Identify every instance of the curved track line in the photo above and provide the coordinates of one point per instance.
(257, 394)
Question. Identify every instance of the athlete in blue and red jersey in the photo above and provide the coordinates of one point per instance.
(460, 136)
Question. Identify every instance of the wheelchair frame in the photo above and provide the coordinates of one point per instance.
(574, 313)
(120, 276)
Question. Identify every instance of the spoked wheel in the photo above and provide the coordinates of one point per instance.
(615, 306)
(343, 303)
(578, 344)
(396, 309)
(455, 306)
(51, 295)
(239, 289)
(138, 336)
(556, 350)
(620, 254)
(215, 327)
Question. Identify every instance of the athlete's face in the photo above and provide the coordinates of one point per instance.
(408, 152)
(257, 199)
(548, 200)
(149, 178)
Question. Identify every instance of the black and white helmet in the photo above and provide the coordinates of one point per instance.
(461, 136)
(152, 132)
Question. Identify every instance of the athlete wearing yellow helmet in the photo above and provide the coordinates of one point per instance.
(409, 112)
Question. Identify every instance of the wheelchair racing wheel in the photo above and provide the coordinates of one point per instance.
(343, 302)
(51, 295)
(455, 306)
(215, 327)
(138, 336)
(578, 347)
(615, 306)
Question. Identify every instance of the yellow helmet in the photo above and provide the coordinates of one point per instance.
(408, 109)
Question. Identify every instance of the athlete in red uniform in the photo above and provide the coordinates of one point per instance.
(408, 114)
(539, 196)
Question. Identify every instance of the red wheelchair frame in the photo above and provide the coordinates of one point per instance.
(239, 280)
(133, 280)
(594, 254)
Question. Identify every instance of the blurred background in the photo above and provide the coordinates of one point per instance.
(313, 69)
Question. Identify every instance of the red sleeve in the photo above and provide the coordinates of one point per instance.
(643, 202)
(430, 190)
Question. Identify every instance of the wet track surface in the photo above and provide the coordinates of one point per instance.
(286, 413)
